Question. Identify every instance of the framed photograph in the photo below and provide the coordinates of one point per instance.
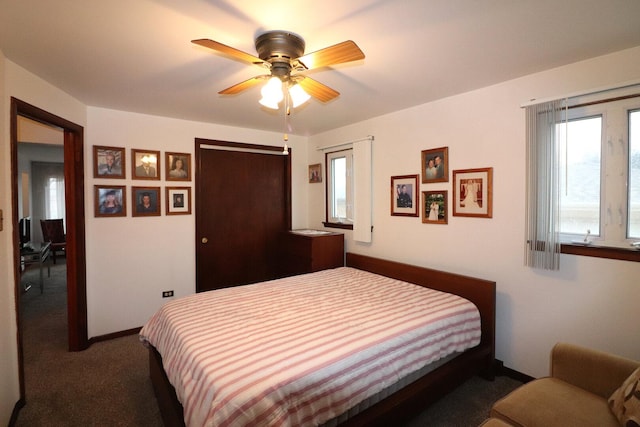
(315, 173)
(178, 200)
(435, 165)
(108, 162)
(434, 207)
(146, 201)
(145, 164)
(110, 200)
(404, 190)
(178, 166)
(473, 192)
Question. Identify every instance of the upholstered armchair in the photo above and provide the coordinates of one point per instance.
(53, 231)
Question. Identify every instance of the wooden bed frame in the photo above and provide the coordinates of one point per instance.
(416, 396)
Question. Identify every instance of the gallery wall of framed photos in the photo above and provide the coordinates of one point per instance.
(110, 199)
(472, 190)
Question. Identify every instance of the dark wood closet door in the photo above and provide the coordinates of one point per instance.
(242, 204)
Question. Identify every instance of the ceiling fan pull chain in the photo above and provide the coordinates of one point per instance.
(285, 149)
(286, 115)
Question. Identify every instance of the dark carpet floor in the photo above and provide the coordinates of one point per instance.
(108, 384)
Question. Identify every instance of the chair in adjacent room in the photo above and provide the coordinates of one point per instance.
(53, 231)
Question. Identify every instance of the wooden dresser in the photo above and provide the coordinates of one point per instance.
(305, 251)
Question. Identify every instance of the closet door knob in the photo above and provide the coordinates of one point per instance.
(205, 240)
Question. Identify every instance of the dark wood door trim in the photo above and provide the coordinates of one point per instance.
(75, 223)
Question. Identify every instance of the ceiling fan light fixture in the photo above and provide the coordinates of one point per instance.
(298, 95)
(282, 53)
(265, 102)
(272, 93)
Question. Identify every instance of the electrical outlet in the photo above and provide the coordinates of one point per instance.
(167, 294)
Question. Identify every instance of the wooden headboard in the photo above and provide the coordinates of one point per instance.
(479, 291)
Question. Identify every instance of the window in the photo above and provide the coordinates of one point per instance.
(583, 178)
(349, 193)
(634, 174)
(54, 197)
(340, 187)
(580, 171)
(599, 176)
(48, 190)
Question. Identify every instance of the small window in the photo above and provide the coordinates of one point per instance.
(634, 175)
(340, 187)
(580, 172)
(599, 167)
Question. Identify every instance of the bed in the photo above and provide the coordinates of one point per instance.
(418, 374)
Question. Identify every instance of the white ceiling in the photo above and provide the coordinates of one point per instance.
(137, 55)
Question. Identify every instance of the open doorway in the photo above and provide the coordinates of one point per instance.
(73, 159)
(41, 201)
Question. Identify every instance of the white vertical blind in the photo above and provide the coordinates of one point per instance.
(362, 220)
(542, 249)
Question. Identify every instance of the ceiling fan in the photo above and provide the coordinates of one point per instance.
(282, 53)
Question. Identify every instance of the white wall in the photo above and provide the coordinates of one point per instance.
(130, 261)
(9, 391)
(590, 301)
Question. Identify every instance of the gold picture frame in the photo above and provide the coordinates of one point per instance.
(109, 162)
(473, 192)
(145, 164)
(178, 166)
(178, 200)
(315, 173)
(435, 207)
(110, 200)
(145, 201)
(435, 165)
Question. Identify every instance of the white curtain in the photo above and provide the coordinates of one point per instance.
(47, 186)
(542, 249)
(362, 197)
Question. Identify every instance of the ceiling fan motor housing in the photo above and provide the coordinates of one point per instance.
(280, 49)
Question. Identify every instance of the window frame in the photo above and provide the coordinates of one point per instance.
(630, 111)
(582, 114)
(330, 221)
(610, 244)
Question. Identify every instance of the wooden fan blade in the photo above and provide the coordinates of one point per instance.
(223, 48)
(243, 85)
(346, 51)
(316, 89)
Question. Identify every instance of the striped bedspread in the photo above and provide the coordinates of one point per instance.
(302, 350)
